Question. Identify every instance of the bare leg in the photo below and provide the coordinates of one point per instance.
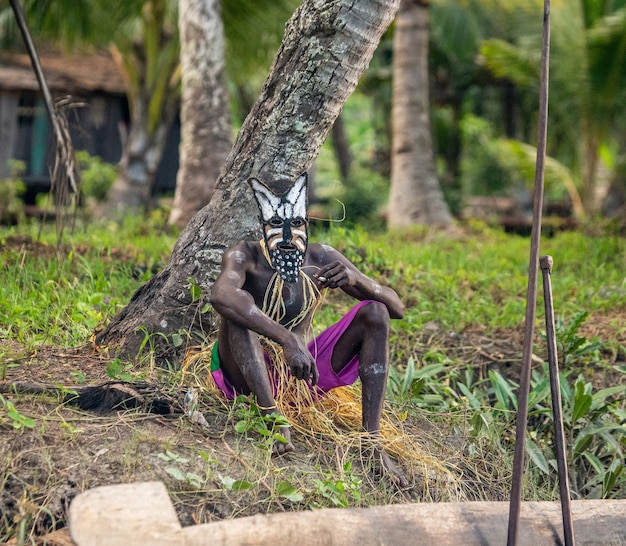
(243, 363)
(368, 335)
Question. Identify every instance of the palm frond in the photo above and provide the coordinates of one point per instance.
(522, 158)
(254, 30)
(511, 62)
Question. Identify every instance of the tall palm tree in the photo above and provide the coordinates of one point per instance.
(415, 196)
(205, 109)
(146, 50)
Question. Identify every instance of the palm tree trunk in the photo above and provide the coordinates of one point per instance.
(415, 195)
(149, 67)
(137, 168)
(205, 110)
(326, 48)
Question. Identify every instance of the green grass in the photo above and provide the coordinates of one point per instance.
(481, 278)
(59, 296)
(475, 281)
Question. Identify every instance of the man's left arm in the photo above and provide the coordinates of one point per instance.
(339, 272)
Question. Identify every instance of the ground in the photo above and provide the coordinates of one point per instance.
(51, 451)
(69, 450)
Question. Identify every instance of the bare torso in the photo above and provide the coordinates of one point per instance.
(259, 275)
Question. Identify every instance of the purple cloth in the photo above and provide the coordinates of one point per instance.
(322, 350)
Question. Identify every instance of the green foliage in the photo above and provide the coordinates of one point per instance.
(456, 283)
(97, 176)
(482, 171)
(17, 419)
(116, 369)
(11, 190)
(414, 383)
(576, 349)
(362, 198)
(61, 298)
(250, 418)
(231, 484)
(595, 433)
(594, 418)
(189, 478)
(340, 492)
(287, 491)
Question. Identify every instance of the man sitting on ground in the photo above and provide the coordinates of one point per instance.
(270, 288)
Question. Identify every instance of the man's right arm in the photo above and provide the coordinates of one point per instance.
(237, 305)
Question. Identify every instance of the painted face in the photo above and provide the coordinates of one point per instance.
(285, 228)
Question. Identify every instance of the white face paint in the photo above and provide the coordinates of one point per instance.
(233, 275)
(284, 225)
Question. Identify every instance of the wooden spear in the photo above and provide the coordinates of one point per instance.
(531, 294)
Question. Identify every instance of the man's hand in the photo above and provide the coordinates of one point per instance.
(335, 275)
(300, 361)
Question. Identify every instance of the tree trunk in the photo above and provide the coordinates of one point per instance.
(8, 130)
(341, 147)
(140, 159)
(205, 110)
(326, 48)
(148, 63)
(415, 195)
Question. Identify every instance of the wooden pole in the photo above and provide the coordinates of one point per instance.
(531, 295)
(34, 59)
(555, 388)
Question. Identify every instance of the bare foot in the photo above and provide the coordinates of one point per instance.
(280, 447)
(387, 467)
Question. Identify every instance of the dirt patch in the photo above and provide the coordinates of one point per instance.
(43, 467)
(212, 472)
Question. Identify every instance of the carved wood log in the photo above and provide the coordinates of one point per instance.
(142, 514)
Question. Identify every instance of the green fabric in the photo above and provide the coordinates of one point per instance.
(215, 358)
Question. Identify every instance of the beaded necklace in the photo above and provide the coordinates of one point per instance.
(274, 303)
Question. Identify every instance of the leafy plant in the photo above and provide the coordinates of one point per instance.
(593, 423)
(17, 419)
(251, 419)
(340, 492)
(78, 376)
(234, 485)
(575, 348)
(412, 383)
(11, 190)
(189, 478)
(116, 369)
(97, 176)
(287, 491)
(6, 363)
